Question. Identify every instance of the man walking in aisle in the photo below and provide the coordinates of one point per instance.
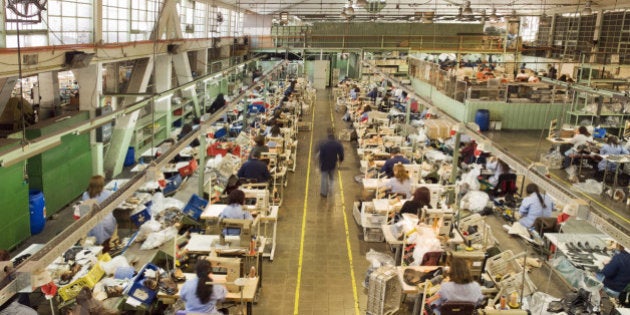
(330, 152)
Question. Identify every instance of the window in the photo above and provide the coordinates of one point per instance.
(144, 13)
(72, 25)
(115, 21)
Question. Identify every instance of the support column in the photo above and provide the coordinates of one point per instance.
(6, 88)
(201, 62)
(48, 83)
(162, 77)
(184, 75)
(124, 128)
(112, 81)
(90, 81)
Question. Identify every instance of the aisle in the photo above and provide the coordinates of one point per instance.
(319, 264)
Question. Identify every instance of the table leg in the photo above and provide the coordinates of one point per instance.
(398, 255)
(416, 304)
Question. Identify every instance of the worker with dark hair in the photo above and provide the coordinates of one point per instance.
(199, 293)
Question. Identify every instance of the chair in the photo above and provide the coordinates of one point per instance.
(458, 308)
(505, 186)
(432, 258)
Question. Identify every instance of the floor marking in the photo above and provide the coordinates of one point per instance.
(296, 306)
(347, 231)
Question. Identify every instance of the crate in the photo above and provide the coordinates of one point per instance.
(172, 186)
(356, 212)
(512, 283)
(502, 265)
(384, 292)
(195, 206)
(71, 290)
(138, 291)
(188, 169)
(140, 217)
(373, 235)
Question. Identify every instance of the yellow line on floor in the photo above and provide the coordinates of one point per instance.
(296, 306)
(347, 231)
(589, 197)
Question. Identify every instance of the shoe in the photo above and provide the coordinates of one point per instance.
(323, 196)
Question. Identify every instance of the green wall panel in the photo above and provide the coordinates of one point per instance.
(64, 171)
(14, 201)
(515, 116)
(16, 230)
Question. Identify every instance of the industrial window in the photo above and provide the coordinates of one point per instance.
(224, 28)
(144, 13)
(72, 25)
(115, 21)
(35, 34)
(201, 20)
(193, 19)
(529, 28)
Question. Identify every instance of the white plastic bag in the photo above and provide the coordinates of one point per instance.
(475, 201)
(590, 186)
(110, 266)
(426, 241)
(157, 204)
(377, 260)
(156, 239)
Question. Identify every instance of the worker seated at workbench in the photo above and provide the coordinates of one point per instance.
(234, 210)
(254, 170)
(460, 287)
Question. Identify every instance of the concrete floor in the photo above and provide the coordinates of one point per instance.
(320, 263)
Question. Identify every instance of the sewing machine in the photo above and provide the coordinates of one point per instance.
(245, 225)
(439, 219)
(230, 266)
(257, 199)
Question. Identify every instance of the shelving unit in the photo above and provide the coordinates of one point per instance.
(150, 130)
(612, 112)
(182, 113)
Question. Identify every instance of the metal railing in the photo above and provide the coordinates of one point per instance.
(436, 42)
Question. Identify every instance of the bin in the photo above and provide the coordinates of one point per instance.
(482, 118)
(130, 158)
(37, 209)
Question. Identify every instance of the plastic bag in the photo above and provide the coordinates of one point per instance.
(157, 203)
(426, 241)
(156, 239)
(110, 266)
(590, 186)
(593, 286)
(148, 228)
(377, 260)
(474, 201)
(538, 302)
(574, 276)
(470, 178)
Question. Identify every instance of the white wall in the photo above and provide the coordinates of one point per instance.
(256, 24)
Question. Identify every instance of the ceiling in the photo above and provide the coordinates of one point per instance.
(393, 9)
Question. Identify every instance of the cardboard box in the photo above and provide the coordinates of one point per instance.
(437, 129)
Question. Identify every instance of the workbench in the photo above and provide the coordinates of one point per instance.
(247, 294)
